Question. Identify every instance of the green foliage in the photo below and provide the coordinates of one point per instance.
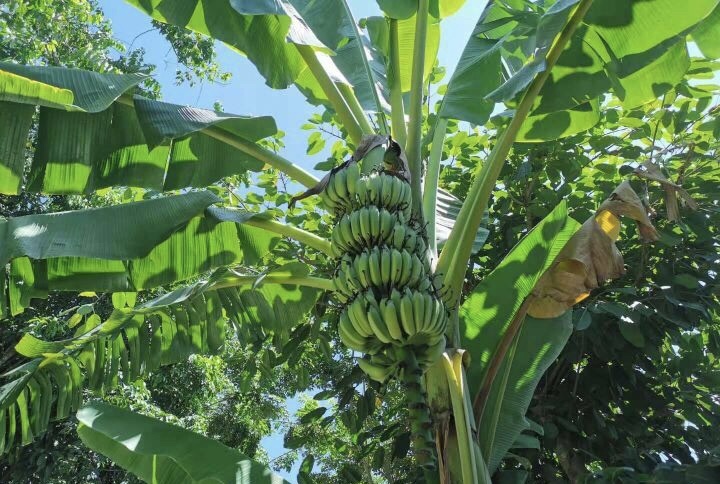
(630, 398)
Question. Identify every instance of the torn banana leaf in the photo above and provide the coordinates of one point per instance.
(591, 257)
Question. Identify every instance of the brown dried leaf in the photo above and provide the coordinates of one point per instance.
(650, 171)
(590, 257)
(624, 202)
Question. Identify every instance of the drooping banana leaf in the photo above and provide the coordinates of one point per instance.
(162, 453)
(379, 32)
(403, 9)
(707, 36)
(165, 330)
(268, 33)
(92, 134)
(124, 247)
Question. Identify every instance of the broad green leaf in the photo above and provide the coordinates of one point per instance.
(478, 73)
(137, 142)
(19, 89)
(444, 8)
(267, 32)
(60, 87)
(558, 124)
(549, 25)
(487, 312)
(630, 41)
(10, 391)
(403, 9)
(636, 49)
(162, 122)
(636, 86)
(163, 453)
(162, 331)
(118, 232)
(125, 247)
(707, 35)
(398, 9)
(79, 152)
(538, 345)
(15, 123)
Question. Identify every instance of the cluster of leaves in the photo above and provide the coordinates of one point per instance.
(632, 396)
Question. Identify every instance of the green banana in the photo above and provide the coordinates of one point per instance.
(418, 310)
(428, 311)
(396, 266)
(355, 230)
(365, 234)
(358, 317)
(389, 314)
(416, 271)
(362, 269)
(374, 215)
(353, 180)
(407, 319)
(407, 260)
(387, 224)
(378, 325)
(339, 183)
(362, 192)
(386, 267)
(349, 336)
(374, 267)
(375, 371)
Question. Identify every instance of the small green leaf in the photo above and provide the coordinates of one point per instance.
(686, 280)
(632, 333)
(313, 415)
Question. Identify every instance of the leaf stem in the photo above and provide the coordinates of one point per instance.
(271, 158)
(338, 102)
(431, 185)
(308, 281)
(303, 236)
(453, 261)
(414, 141)
(462, 422)
(397, 110)
(368, 71)
(349, 94)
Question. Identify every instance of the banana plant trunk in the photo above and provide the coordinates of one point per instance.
(458, 454)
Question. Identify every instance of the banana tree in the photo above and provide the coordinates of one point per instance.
(400, 246)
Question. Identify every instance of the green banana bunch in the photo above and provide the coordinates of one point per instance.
(385, 268)
(412, 318)
(339, 194)
(370, 226)
(386, 191)
(347, 190)
(392, 312)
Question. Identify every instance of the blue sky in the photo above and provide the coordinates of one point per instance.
(247, 93)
